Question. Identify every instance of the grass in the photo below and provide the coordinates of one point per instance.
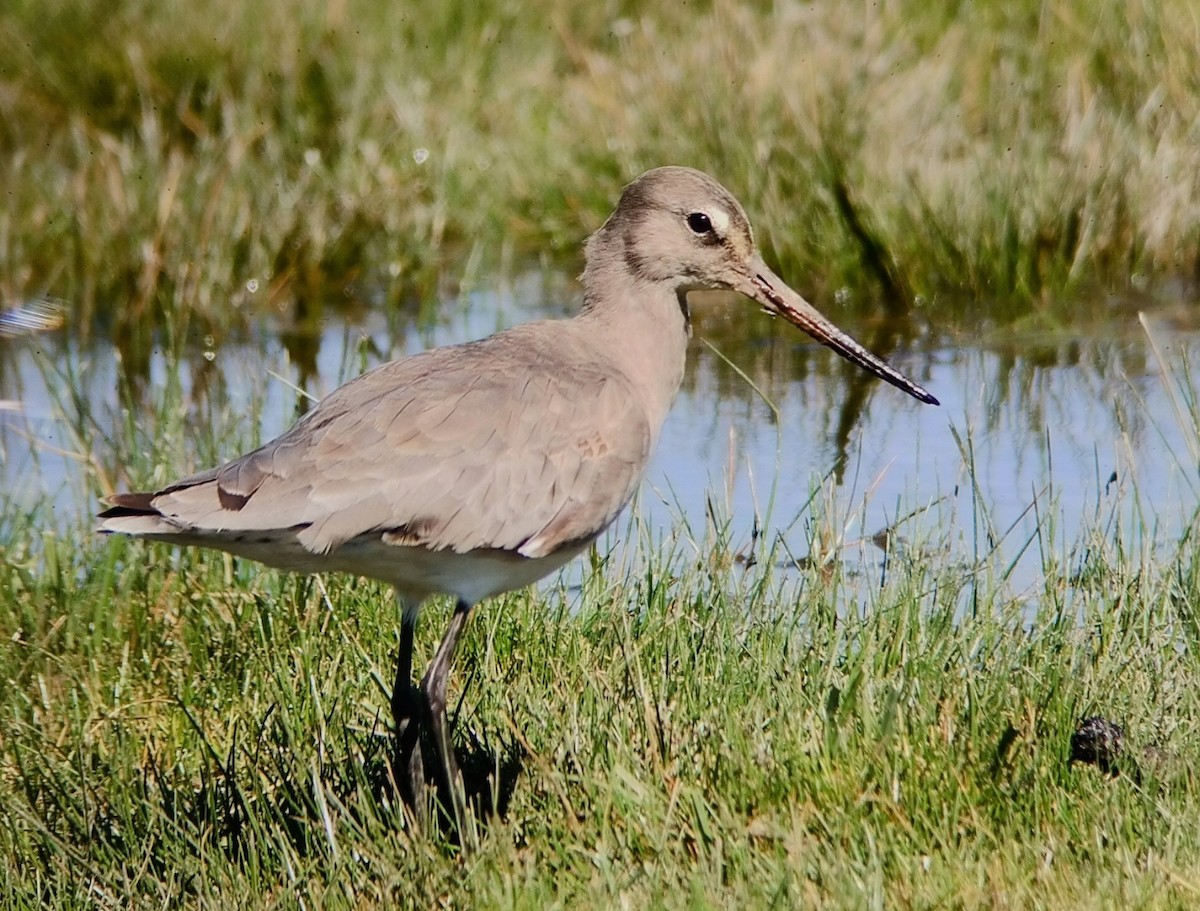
(172, 156)
(685, 730)
(184, 727)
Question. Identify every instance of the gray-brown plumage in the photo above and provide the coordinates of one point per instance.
(478, 446)
(475, 469)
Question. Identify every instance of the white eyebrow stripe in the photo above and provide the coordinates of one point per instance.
(720, 221)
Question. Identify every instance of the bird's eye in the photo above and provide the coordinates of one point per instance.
(700, 223)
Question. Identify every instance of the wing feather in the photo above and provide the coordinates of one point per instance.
(511, 443)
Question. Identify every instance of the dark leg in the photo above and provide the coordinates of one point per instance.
(404, 706)
(433, 686)
(407, 704)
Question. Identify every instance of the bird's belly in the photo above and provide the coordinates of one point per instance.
(418, 572)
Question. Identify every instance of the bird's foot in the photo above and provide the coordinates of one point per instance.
(408, 765)
(424, 763)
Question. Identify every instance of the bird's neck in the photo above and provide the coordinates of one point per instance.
(642, 329)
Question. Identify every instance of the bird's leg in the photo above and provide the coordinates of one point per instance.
(407, 714)
(433, 686)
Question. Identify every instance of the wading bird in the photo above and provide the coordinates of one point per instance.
(475, 469)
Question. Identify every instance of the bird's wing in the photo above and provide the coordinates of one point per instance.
(505, 443)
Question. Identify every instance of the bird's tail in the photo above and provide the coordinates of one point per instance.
(134, 514)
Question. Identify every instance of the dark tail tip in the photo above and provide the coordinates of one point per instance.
(129, 504)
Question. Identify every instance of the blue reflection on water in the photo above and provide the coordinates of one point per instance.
(1079, 428)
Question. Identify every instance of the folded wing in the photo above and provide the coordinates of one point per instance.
(505, 443)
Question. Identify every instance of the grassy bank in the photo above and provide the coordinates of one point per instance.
(683, 731)
(684, 736)
(165, 157)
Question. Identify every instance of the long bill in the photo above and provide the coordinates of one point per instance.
(769, 290)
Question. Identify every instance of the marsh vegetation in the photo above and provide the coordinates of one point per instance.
(838, 663)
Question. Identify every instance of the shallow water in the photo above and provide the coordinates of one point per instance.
(1076, 425)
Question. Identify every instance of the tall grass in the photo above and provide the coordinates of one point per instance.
(168, 157)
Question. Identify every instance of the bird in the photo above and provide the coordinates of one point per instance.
(475, 469)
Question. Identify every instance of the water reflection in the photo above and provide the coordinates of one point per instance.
(1044, 420)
